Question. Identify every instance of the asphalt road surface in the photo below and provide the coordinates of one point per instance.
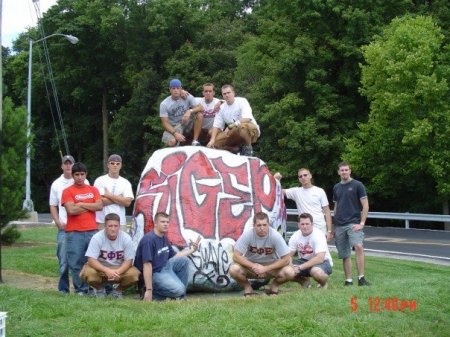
(415, 244)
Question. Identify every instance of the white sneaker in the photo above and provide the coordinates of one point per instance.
(195, 143)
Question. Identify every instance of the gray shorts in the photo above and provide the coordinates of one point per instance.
(184, 129)
(345, 239)
(325, 266)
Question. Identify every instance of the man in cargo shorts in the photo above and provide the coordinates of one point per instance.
(351, 207)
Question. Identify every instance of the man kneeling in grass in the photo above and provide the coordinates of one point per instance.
(314, 257)
(261, 252)
(110, 259)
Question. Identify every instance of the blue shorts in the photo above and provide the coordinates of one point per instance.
(325, 266)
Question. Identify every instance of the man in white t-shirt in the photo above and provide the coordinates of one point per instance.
(116, 191)
(234, 129)
(310, 199)
(261, 252)
(110, 257)
(314, 257)
(59, 216)
(211, 106)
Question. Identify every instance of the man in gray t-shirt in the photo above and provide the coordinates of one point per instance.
(181, 118)
(110, 259)
(261, 252)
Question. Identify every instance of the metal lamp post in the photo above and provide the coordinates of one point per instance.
(28, 203)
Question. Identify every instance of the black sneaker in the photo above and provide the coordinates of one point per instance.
(246, 150)
(363, 282)
(348, 283)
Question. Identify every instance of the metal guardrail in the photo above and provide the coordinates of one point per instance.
(407, 217)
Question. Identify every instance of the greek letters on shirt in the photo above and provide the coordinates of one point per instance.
(84, 196)
(261, 250)
(111, 255)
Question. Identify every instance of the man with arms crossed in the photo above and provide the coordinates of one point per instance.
(115, 190)
(314, 257)
(164, 272)
(81, 202)
(179, 116)
(310, 199)
(59, 216)
(110, 259)
(261, 252)
(351, 207)
(234, 129)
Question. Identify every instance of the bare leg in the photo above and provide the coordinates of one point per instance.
(359, 252)
(320, 276)
(240, 275)
(347, 264)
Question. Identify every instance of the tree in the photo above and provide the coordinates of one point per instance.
(300, 73)
(14, 140)
(403, 149)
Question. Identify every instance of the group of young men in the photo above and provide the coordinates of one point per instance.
(222, 124)
(104, 262)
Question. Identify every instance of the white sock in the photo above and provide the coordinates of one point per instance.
(349, 280)
(360, 277)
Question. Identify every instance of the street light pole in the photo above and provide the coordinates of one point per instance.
(28, 203)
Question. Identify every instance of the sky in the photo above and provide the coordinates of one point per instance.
(18, 15)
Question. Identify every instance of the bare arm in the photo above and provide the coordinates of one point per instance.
(278, 177)
(317, 259)
(284, 261)
(148, 279)
(327, 214)
(73, 208)
(170, 129)
(55, 216)
(92, 206)
(108, 198)
(193, 248)
(365, 210)
(214, 133)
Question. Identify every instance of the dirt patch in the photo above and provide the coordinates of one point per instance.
(21, 280)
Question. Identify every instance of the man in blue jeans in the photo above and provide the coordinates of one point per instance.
(81, 201)
(164, 272)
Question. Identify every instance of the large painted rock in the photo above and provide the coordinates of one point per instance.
(211, 193)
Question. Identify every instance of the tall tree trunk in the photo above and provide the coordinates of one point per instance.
(445, 211)
(105, 130)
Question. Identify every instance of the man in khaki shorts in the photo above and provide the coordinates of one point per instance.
(261, 252)
(234, 129)
(110, 259)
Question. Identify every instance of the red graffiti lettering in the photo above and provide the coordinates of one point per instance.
(200, 185)
(262, 200)
(231, 224)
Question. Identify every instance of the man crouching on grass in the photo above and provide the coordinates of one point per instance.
(314, 257)
(261, 252)
(110, 259)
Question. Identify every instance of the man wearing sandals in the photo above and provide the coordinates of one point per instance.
(261, 252)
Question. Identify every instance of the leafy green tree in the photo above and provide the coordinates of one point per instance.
(403, 149)
(12, 163)
(300, 73)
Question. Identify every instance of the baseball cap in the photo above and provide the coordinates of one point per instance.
(115, 157)
(175, 83)
(68, 158)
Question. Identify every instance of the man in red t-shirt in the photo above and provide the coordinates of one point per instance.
(81, 202)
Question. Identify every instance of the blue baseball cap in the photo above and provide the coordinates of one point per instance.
(175, 83)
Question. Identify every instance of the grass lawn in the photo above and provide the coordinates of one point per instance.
(421, 289)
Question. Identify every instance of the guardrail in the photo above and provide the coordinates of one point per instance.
(407, 217)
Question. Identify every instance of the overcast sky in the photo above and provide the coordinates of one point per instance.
(18, 15)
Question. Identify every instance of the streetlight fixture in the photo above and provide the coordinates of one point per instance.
(28, 203)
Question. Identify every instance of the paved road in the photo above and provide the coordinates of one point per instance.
(416, 244)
